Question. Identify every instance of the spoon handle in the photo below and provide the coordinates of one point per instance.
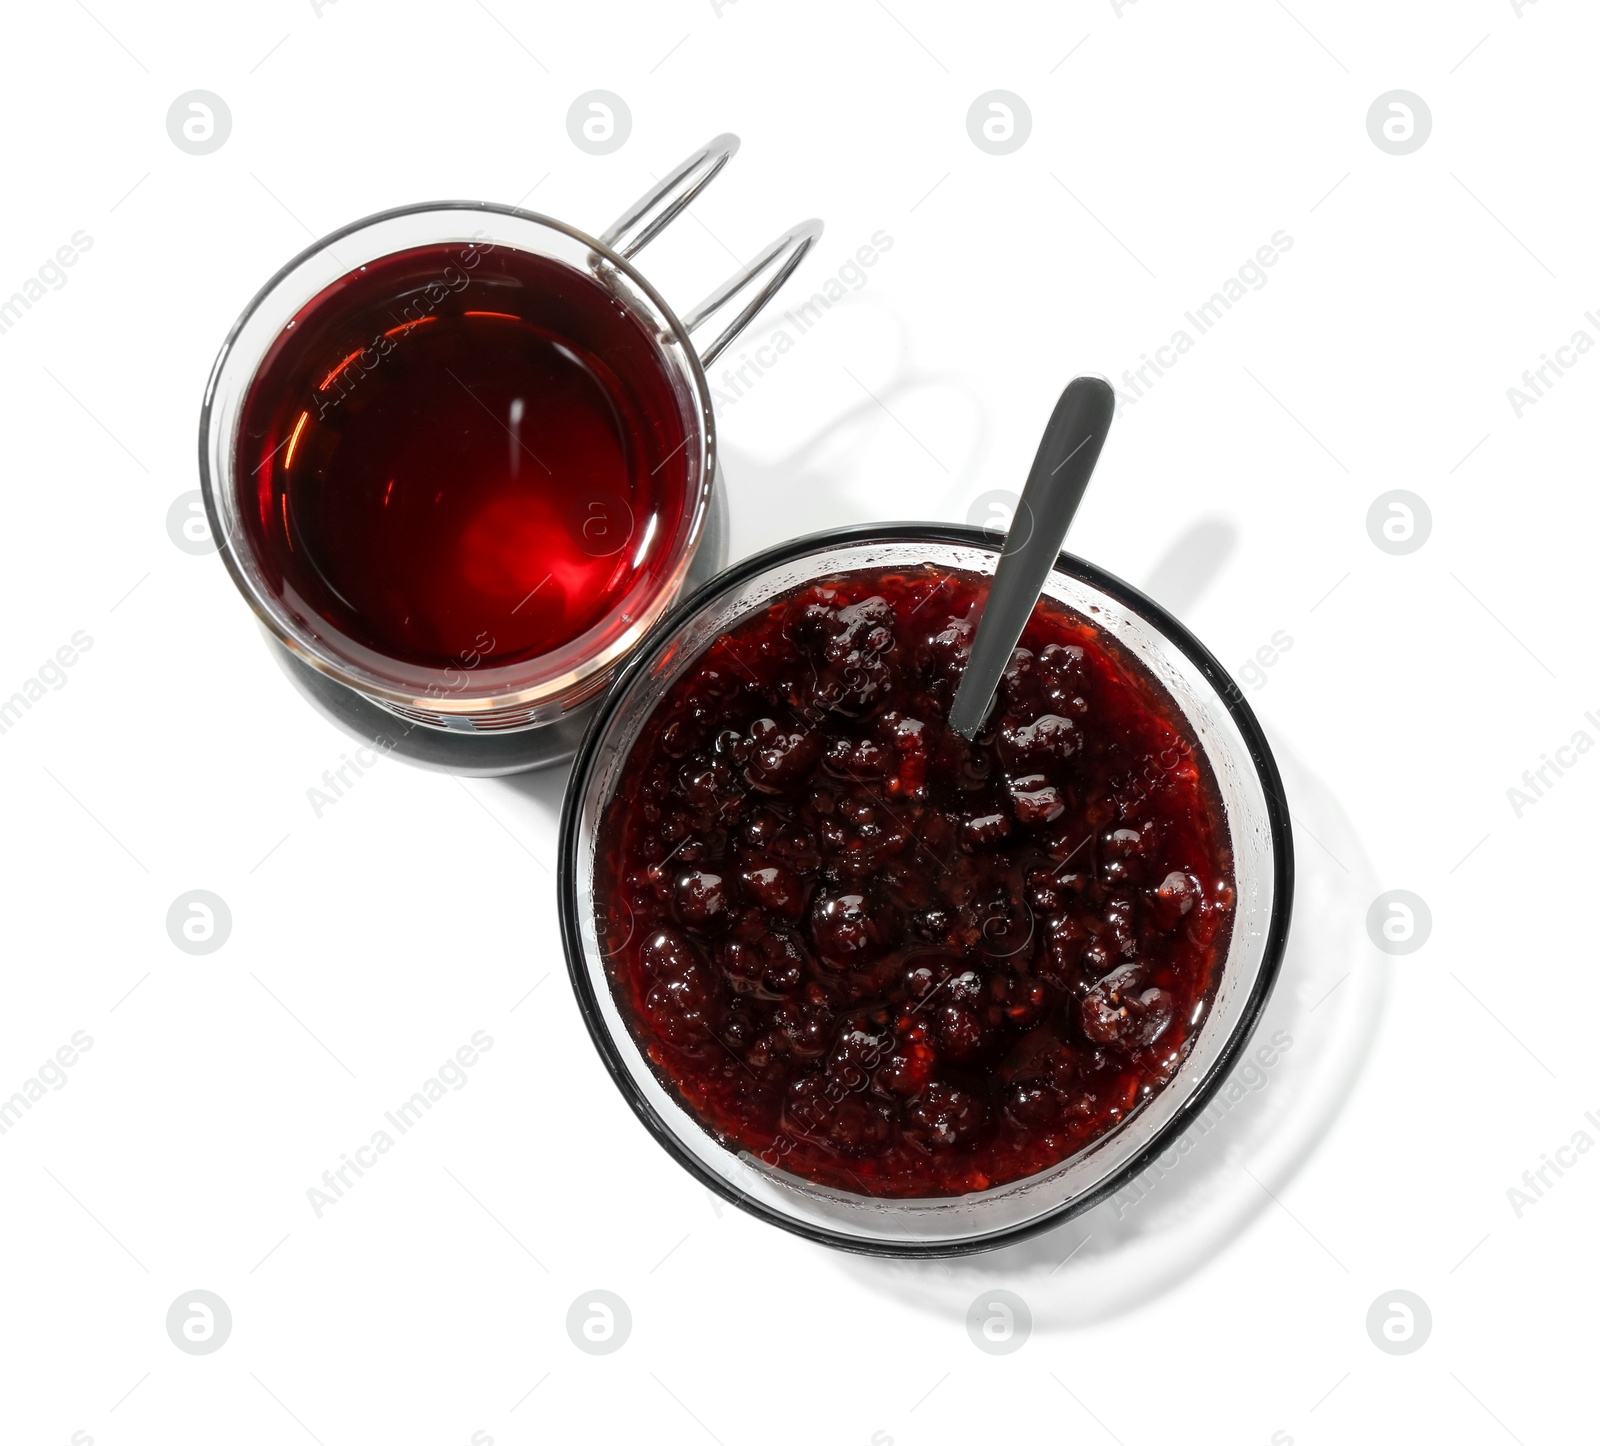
(1062, 467)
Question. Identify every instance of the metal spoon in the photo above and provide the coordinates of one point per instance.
(1062, 467)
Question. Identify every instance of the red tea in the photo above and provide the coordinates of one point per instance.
(464, 452)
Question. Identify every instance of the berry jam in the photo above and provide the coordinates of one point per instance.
(464, 451)
(883, 958)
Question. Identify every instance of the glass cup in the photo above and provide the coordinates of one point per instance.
(1254, 806)
(468, 697)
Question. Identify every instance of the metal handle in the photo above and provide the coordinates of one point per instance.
(784, 254)
(643, 221)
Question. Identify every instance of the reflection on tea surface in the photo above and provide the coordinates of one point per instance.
(464, 455)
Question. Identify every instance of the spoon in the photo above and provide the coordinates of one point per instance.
(1062, 467)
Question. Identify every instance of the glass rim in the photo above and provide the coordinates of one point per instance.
(494, 689)
(1199, 1096)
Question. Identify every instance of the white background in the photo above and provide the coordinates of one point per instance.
(1167, 144)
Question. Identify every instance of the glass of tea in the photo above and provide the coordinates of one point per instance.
(459, 457)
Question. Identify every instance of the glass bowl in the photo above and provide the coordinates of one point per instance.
(1254, 807)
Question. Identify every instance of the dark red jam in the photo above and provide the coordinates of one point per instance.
(885, 959)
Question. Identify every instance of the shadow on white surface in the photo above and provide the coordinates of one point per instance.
(544, 788)
(807, 490)
(1186, 569)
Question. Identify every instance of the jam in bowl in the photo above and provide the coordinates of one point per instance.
(894, 991)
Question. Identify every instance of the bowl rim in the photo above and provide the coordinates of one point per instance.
(472, 700)
(1146, 608)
